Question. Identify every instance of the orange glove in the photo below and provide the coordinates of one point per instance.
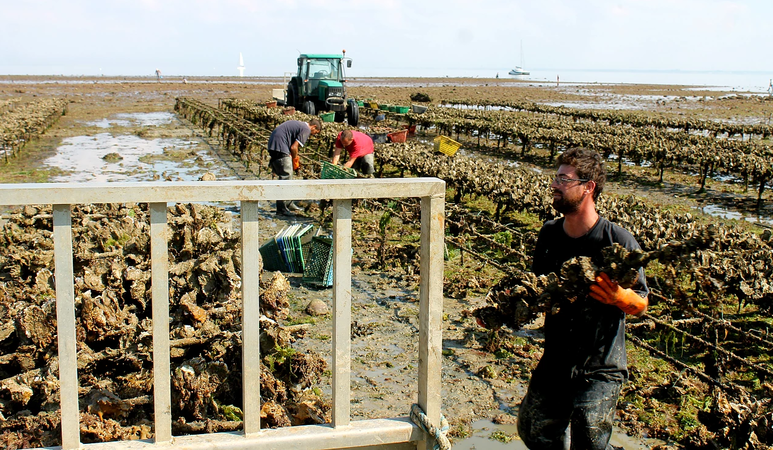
(296, 163)
(608, 292)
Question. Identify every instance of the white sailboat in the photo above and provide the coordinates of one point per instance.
(519, 69)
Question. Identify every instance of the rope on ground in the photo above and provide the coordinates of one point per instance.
(422, 421)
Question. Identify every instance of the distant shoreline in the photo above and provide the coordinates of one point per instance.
(568, 80)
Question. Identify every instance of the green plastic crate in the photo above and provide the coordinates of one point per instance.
(331, 171)
(383, 107)
(319, 270)
(328, 117)
(298, 240)
(360, 103)
(402, 109)
(281, 244)
(272, 258)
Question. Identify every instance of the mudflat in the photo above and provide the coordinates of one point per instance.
(479, 383)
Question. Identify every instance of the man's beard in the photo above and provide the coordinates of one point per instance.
(566, 205)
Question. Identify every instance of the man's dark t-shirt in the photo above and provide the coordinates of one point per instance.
(585, 339)
(283, 136)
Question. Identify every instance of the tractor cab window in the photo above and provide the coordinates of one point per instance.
(321, 69)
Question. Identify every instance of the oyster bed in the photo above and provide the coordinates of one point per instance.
(112, 270)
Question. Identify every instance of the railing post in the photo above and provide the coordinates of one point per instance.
(159, 279)
(431, 309)
(342, 310)
(250, 318)
(65, 319)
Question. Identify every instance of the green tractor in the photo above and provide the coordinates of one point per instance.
(320, 85)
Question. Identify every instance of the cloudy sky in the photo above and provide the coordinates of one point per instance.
(383, 37)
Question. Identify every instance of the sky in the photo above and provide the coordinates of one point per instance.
(383, 37)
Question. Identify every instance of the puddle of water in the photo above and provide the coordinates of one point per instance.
(134, 119)
(718, 211)
(107, 123)
(81, 157)
(147, 119)
(591, 105)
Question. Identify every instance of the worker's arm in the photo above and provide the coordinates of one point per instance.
(295, 156)
(607, 291)
(294, 149)
(350, 162)
(336, 155)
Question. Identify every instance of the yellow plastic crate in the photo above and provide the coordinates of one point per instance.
(446, 145)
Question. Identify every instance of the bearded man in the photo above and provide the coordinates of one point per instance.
(573, 391)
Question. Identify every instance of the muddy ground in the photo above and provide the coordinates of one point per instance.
(477, 385)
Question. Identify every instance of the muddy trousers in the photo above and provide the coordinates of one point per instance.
(364, 164)
(585, 407)
(282, 166)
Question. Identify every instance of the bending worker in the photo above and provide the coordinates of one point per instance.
(577, 382)
(360, 148)
(283, 145)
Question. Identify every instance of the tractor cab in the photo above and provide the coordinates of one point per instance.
(315, 69)
(320, 85)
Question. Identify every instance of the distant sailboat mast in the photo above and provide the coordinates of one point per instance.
(519, 69)
(241, 65)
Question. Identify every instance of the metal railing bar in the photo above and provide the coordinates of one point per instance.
(65, 319)
(400, 446)
(159, 273)
(250, 318)
(361, 433)
(215, 191)
(431, 309)
(342, 310)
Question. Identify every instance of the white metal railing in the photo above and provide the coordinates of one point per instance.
(342, 433)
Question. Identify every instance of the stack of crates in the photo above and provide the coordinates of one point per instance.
(288, 250)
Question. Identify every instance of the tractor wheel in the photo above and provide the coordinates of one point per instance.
(340, 116)
(308, 108)
(353, 113)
